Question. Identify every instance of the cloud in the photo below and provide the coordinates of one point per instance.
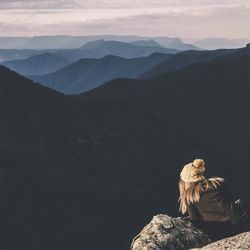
(189, 18)
(151, 22)
(60, 4)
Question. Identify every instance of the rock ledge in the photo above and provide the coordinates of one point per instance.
(239, 241)
(165, 232)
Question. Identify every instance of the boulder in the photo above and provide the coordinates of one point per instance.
(165, 232)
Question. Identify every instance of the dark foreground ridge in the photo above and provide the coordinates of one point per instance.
(89, 171)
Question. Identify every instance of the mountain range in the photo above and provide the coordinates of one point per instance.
(81, 76)
(183, 59)
(94, 49)
(101, 48)
(87, 74)
(73, 42)
(89, 171)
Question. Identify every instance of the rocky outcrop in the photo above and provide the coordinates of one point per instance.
(165, 232)
(240, 241)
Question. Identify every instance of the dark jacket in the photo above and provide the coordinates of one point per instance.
(218, 215)
(217, 204)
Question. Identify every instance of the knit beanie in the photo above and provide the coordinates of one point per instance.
(193, 172)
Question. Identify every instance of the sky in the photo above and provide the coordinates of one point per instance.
(187, 19)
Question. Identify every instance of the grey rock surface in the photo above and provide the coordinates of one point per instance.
(239, 241)
(165, 232)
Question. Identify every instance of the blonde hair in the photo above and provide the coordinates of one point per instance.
(190, 191)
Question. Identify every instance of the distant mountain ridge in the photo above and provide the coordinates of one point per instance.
(101, 48)
(87, 74)
(186, 58)
(73, 42)
(183, 59)
(17, 54)
(37, 64)
(46, 42)
(13, 42)
(150, 43)
(93, 49)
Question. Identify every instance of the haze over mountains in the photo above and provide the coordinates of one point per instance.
(74, 71)
(88, 171)
(73, 42)
(81, 76)
(87, 74)
(38, 64)
(94, 49)
(221, 43)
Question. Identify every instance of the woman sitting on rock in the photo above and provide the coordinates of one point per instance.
(209, 205)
